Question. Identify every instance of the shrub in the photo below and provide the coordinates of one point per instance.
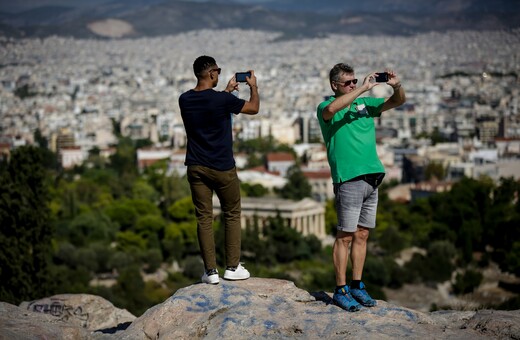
(467, 282)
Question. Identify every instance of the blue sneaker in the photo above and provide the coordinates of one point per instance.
(362, 296)
(343, 299)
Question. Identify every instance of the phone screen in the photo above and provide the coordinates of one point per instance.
(381, 77)
(241, 76)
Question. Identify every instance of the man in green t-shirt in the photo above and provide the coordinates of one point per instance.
(347, 125)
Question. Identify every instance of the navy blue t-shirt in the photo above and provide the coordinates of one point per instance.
(207, 119)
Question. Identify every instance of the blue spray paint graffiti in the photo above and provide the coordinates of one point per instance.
(392, 310)
(232, 298)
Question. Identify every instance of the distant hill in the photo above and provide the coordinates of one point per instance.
(302, 18)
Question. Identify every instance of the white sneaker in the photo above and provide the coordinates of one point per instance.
(210, 276)
(238, 273)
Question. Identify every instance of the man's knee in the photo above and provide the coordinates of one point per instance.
(361, 235)
(344, 238)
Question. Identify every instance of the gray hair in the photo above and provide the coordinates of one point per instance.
(338, 69)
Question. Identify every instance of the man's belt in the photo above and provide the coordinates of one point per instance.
(373, 179)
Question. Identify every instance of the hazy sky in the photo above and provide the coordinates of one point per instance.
(18, 5)
(307, 5)
(28, 4)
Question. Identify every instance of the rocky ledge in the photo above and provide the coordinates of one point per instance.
(251, 309)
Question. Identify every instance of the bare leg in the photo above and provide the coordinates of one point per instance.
(340, 253)
(359, 252)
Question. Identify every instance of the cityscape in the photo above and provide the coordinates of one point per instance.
(462, 86)
(462, 111)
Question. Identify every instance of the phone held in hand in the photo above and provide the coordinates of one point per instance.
(381, 77)
(241, 76)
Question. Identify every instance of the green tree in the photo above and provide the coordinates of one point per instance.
(142, 190)
(503, 225)
(254, 190)
(252, 244)
(287, 244)
(440, 261)
(25, 240)
(152, 259)
(39, 139)
(182, 210)
(254, 160)
(297, 187)
(87, 228)
(87, 191)
(171, 187)
(434, 170)
(437, 137)
(464, 210)
(467, 282)
(392, 240)
(180, 239)
(512, 259)
(124, 160)
(151, 227)
(50, 160)
(174, 188)
(331, 217)
(128, 293)
(122, 213)
(376, 271)
(130, 242)
(261, 145)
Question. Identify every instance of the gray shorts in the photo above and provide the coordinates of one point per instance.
(356, 204)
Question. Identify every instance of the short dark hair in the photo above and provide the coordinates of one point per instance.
(338, 69)
(202, 63)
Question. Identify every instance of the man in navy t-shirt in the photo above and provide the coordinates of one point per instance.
(206, 114)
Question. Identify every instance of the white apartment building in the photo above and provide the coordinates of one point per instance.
(71, 156)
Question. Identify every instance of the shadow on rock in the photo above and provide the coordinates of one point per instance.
(323, 297)
(113, 330)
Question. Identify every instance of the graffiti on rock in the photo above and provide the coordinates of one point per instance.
(60, 310)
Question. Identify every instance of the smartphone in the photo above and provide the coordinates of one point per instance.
(381, 77)
(241, 76)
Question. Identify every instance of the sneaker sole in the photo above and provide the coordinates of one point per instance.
(373, 303)
(211, 283)
(351, 310)
(235, 278)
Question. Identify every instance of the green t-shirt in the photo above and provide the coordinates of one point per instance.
(350, 138)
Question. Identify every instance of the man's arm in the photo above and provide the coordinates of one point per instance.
(252, 106)
(342, 102)
(345, 100)
(398, 97)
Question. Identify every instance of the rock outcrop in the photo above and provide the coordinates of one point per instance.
(64, 316)
(82, 310)
(274, 309)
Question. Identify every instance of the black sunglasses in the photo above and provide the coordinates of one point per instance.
(216, 69)
(347, 82)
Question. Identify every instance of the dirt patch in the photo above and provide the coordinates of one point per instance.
(111, 28)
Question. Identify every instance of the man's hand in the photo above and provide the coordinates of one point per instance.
(251, 81)
(232, 85)
(393, 80)
(370, 81)
(398, 97)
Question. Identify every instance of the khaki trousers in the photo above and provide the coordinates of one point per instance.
(203, 183)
